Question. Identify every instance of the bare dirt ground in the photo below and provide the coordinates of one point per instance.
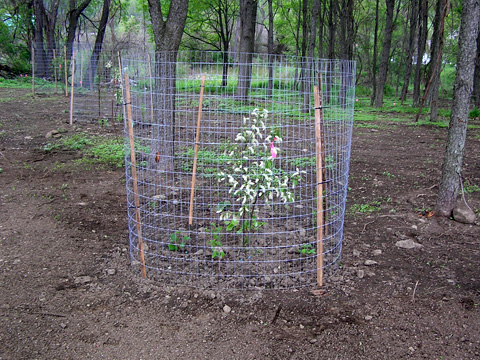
(67, 290)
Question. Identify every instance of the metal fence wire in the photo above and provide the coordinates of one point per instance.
(237, 167)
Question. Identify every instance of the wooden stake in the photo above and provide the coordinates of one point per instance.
(71, 91)
(322, 150)
(65, 69)
(318, 143)
(197, 139)
(33, 70)
(134, 176)
(121, 83)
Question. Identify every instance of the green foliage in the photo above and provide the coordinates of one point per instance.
(108, 151)
(475, 113)
(307, 249)
(97, 150)
(177, 241)
(215, 243)
(13, 52)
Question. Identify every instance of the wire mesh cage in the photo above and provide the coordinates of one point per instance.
(237, 167)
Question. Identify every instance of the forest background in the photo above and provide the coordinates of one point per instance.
(407, 50)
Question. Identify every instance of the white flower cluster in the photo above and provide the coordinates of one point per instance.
(253, 175)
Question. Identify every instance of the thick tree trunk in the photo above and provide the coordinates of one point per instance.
(97, 49)
(248, 20)
(452, 165)
(410, 47)
(422, 39)
(385, 57)
(40, 59)
(476, 77)
(167, 35)
(73, 16)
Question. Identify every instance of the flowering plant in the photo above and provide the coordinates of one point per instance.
(253, 176)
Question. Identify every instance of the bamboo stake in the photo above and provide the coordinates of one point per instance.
(197, 139)
(151, 87)
(121, 83)
(65, 69)
(134, 176)
(55, 69)
(71, 91)
(322, 150)
(318, 143)
(33, 70)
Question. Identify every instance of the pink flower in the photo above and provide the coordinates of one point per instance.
(21, 75)
(394, 104)
(356, 100)
(273, 151)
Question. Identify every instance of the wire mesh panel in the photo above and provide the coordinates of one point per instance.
(237, 171)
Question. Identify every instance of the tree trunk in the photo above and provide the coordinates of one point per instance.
(410, 47)
(270, 47)
(436, 58)
(375, 50)
(97, 49)
(167, 35)
(332, 31)
(385, 57)
(40, 59)
(476, 77)
(422, 39)
(452, 164)
(73, 16)
(248, 20)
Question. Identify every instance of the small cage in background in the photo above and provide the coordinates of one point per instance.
(237, 167)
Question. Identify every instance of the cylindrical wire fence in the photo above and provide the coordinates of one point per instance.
(237, 167)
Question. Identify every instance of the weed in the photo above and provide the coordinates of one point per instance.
(307, 249)
(177, 241)
(215, 243)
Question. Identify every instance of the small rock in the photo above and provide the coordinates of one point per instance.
(414, 227)
(79, 280)
(407, 244)
(411, 349)
(360, 273)
(302, 232)
(159, 197)
(199, 252)
(368, 317)
(463, 214)
(302, 327)
(227, 309)
(313, 341)
(370, 262)
(111, 271)
(63, 325)
(377, 252)
(356, 253)
(51, 133)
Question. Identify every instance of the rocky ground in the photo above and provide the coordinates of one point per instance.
(408, 287)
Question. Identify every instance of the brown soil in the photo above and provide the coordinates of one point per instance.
(67, 290)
